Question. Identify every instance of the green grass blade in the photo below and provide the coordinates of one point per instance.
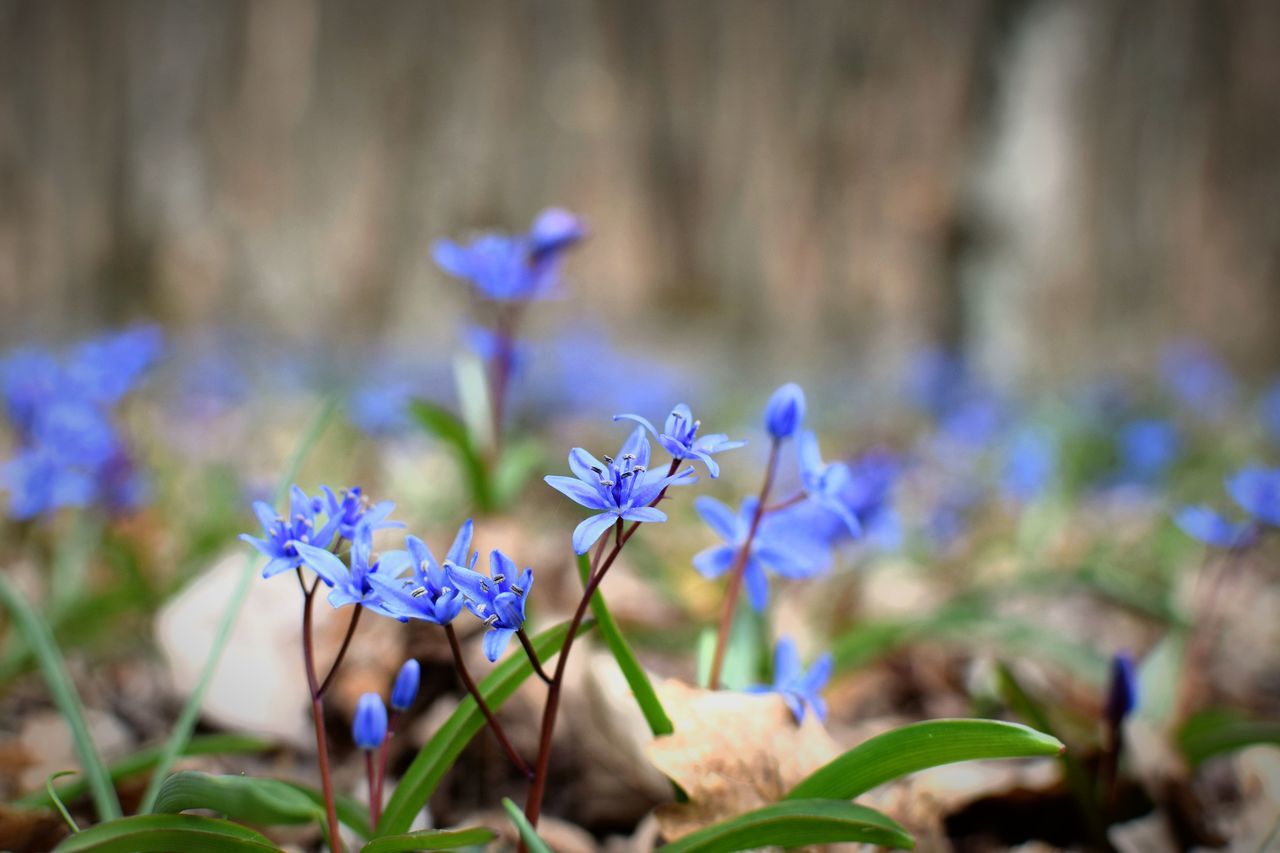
(57, 801)
(186, 723)
(646, 697)
(64, 697)
(430, 839)
(449, 429)
(351, 812)
(919, 746)
(528, 834)
(144, 760)
(263, 802)
(1211, 733)
(164, 833)
(438, 754)
(794, 823)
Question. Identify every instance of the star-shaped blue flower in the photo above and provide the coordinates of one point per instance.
(354, 584)
(764, 552)
(510, 268)
(428, 594)
(826, 484)
(679, 437)
(353, 509)
(619, 488)
(798, 688)
(498, 599)
(282, 532)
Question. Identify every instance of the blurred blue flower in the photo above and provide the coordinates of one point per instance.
(514, 268)
(282, 532)
(1030, 465)
(405, 689)
(369, 726)
(826, 484)
(1257, 490)
(489, 344)
(429, 594)
(621, 489)
(1202, 523)
(769, 549)
(352, 510)
(798, 688)
(784, 412)
(679, 437)
(498, 599)
(107, 367)
(1147, 449)
(353, 584)
(1197, 378)
(1122, 689)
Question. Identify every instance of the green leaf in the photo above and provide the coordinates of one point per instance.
(430, 839)
(646, 697)
(64, 697)
(528, 834)
(57, 801)
(166, 833)
(438, 754)
(1211, 733)
(351, 813)
(265, 802)
(743, 655)
(143, 760)
(793, 823)
(446, 426)
(518, 463)
(891, 755)
(186, 723)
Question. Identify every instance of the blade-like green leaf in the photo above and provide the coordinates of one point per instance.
(64, 697)
(528, 834)
(265, 802)
(517, 465)
(186, 723)
(164, 833)
(143, 760)
(793, 823)
(439, 753)
(430, 839)
(446, 426)
(646, 697)
(891, 755)
(351, 812)
(1211, 733)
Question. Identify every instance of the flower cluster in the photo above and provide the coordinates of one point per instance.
(402, 584)
(1256, 490)
(61, 408)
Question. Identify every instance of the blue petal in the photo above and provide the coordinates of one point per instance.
(452, 258)
(495, 642)
(719, 518)
(644, 513)
(757, 584)
(586, 533)
(1202, 523)
(1258, 491)
(278, 565)
(323, 563)
(577, 491)
(640, 419)
(393, 563)
(458, 551)
(266, 515)
(714, 561)
(262, 545)
(585, 467)
(787, 562)
(636, 445)
(341, 596)
(786, 661)
(713, 467)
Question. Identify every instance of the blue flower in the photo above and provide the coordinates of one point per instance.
(767, 550)
(1122, 689)
(353, 510)
(514, 268)
(1201, 522)
(107, 367)
(429, 594)
(282, 532)
(1257, 490)
(38, 483)
(405, 689)
(354, 584)
(620, 489)
(797, 687)
(498, 599)
(679, 437)
(1147, 449)
(825, 484)
(369, 726)
(1030, 465)
(784, 412)
(1197, 378)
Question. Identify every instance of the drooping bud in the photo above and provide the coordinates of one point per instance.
(369, 728)
(405, 689)
(1122, 690)
(785, 411)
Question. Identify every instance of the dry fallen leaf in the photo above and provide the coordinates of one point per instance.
(731, 753)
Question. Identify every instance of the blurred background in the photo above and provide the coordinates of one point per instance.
(1053, 187)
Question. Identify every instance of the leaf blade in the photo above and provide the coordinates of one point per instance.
(430, 839)
(267, 802)
(159, 833)
(528, 834)
(792, 823)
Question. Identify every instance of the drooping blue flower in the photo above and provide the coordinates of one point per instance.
(429, 594)
(354, 583)
(283, 531)
(352, 510)
(1122, 689)
(1029, 466)
(620, 489)
(1257, 490)
(1201, 522)
(498, 598)
(768, 549)
(405, 689)
(826, 484)
(784, 412)
(679, 437)
(514, 267)
(369, 726)
(798, 688)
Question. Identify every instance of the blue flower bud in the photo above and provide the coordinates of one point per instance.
(1122, 689)
(369, 728)
(785, 411)
(406, 686)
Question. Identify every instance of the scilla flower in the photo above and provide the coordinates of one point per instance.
(283, 533)
(798, 688)
(1257, 490)
(1122, 690)
(498, 599)
(353, 510)
(1201, 522)
(428, 594)
(826, 484)
(369, 726)
(679, 437)
(765, 551)
(354, 584)
(620, 489)
(514, 268)
(405, 690)
(785, 411)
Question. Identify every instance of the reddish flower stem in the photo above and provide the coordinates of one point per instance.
(494, 725)
(317, 717)
(342, 650)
